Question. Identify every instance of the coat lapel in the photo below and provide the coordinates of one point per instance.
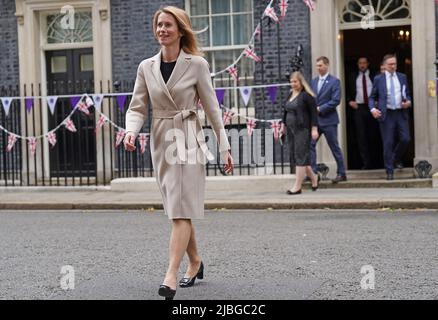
(181, 66)
(156, 62)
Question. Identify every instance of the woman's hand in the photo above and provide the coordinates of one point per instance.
(229, 163)
(282, 129)
(315, 133)
(129, 141)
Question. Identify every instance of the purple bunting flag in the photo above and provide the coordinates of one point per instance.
(121, 102)
(28, 103)
(220, 93)
(74, 101)
(273, 93)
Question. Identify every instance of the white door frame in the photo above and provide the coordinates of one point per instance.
(31, 52)
(325, 28)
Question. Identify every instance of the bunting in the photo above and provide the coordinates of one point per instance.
(250, 53)
(270, 12)
(120, 136)
(250, 124)
(32, 143)
(275, 126)
(28, 103)
(51, 137)
(12, 138)
(283, 7)
(232, 70)
(70, 125)
(6, 102)
(51, 103)
(143, 140)
(102, 120)
(228, 115)
(245, 92)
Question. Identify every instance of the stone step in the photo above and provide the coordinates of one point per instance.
(376, 183)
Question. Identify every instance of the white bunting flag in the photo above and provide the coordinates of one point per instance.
(97, 98)
(120, 136)
(12, 138)
(143, 138)
(51, 136)
(32, 143)
(68, 123)
(6, 102)
(245, 92)
(51, 103)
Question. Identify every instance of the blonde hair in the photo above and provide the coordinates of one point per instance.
(299, 76)
(188, 43)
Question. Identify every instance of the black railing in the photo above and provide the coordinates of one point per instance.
(89, 158)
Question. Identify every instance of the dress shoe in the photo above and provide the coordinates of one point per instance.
(339, 179)
(317, 184)
(166, 292)
(290, 192)
(390, 177)
(188, 282)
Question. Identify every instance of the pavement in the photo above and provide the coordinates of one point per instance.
(248, 254)
(249, 197)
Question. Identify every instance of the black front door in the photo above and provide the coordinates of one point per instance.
(70, 72)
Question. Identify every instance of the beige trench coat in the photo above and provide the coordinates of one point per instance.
(176, 153)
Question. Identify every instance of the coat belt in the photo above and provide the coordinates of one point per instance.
(179, 116)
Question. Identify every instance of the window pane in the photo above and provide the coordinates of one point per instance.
(203, 37)
(221, 31)
(59, 64)
(220, 6)
(87, 62)
(58, 28)
(242, 28)
(223, 59)
(242, 5)
(198, 7)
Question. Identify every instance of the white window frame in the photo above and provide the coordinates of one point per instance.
(232, 47)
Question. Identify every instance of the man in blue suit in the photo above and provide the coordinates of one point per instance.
(391, 92)
(328, 92)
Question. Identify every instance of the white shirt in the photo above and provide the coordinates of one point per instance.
(321, 81)
(359, 86)
(398, 91)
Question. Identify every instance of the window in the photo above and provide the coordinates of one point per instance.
(384, 12)
(224, 29)
(59, 32)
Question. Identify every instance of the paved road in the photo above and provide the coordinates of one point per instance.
(248, 254)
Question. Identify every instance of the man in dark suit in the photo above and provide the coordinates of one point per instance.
(359, 87)
(391, 90)
(328, 91)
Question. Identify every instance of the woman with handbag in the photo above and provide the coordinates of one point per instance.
(300, 124)
(173, 81)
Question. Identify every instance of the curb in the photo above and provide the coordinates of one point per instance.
(210, 205)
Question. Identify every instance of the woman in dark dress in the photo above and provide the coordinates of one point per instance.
(300, 121)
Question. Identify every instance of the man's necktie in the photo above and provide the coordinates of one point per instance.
(365, 89)
(393, 100)
(320, 84)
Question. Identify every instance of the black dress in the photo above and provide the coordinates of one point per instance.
(167, 69)
(300, 115)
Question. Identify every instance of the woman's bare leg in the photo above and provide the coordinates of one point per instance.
(313, 177)
(300, 174)
(179, 240)
(192, 253)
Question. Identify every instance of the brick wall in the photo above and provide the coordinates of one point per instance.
(9, 70)
(132, 37)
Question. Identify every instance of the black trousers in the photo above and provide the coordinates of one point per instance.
(368, 136)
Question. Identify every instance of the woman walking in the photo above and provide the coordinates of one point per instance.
(300, 119)
(173, 81)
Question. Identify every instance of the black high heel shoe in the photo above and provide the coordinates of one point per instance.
(166, 292)
(291, 193)
(188, 282)
(317, 186)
